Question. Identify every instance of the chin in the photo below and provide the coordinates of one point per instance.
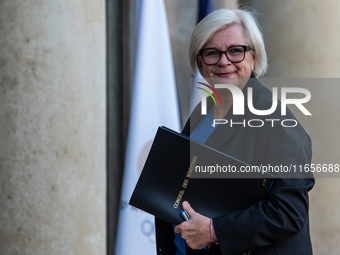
(225, 80)
(239, 82)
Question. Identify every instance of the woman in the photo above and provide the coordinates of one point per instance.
(227, 48)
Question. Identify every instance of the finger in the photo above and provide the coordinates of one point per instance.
(177, 230)
(186, 207)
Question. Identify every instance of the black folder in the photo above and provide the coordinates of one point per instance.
(170, 176)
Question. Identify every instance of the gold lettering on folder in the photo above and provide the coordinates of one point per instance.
(179, 198)
(191, 167)
(185, 182)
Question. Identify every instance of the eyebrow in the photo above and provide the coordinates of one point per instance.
(231, 45)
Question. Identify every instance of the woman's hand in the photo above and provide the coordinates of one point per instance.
(195, 231)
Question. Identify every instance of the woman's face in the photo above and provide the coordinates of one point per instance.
(225, 72)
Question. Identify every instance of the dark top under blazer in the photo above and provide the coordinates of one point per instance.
(280, 223)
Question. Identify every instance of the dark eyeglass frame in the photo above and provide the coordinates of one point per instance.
(245, 47)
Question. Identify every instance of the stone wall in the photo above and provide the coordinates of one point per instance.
(52, 129)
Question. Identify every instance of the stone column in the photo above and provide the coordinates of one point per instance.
(182, 19)
(230, 4)
(302, 41)
(52, 128)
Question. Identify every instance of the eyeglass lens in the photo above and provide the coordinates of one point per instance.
(234, 55)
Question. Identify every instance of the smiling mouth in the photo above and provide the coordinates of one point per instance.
(226, 74)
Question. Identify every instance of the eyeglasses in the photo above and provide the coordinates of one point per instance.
(235, 54)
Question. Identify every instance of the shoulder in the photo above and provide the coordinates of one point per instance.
(262, 98)
(280, 127)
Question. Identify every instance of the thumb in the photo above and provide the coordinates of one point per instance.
(186, 207)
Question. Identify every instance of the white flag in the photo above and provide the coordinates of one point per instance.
(196, 94)
(154, 103)
(205, 7)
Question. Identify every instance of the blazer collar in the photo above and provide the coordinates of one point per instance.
(223, 132)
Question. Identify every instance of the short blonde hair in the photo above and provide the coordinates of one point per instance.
(221, 19)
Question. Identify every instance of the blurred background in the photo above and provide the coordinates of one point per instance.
(68, 98)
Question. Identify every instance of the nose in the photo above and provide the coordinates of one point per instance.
(224, 60)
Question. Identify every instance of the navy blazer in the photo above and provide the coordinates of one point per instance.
(280, 223)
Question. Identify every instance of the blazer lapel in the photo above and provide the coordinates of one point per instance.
(195, 118)
(221, 134)
(224, 132)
